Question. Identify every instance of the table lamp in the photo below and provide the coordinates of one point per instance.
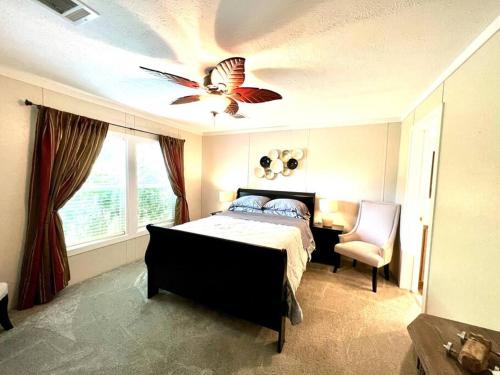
(225, 197)
(327, 207)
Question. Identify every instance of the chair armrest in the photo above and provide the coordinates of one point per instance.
(388, 248)
(347, 237)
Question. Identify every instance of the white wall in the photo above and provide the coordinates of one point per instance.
(17, 124)
(343, 163)
(464, 274)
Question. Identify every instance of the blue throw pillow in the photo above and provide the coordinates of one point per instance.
(287, 207)
(255, 202)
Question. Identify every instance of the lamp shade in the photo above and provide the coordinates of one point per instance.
(226, 196)
(328, 205)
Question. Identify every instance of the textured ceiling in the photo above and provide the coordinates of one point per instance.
(334, 62)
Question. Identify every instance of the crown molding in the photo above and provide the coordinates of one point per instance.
(379, 121)
(61, 88)
(466, 54)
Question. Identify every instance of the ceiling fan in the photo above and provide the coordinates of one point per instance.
(223, 80)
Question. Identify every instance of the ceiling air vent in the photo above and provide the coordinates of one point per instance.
(73, 10)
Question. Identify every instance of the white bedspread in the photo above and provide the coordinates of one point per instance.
(264, 234)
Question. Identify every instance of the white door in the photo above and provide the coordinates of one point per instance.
(417, 214)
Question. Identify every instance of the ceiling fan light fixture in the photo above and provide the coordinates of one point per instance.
(217, 103)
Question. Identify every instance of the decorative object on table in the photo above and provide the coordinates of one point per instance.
(225, 197)
(4, 303)
(276, 162)
(221, 87)
(327, 207)
(259, 172)
(371, 241)
(475, 353)
(292, 164)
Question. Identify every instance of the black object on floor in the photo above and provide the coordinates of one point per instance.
(4, 316)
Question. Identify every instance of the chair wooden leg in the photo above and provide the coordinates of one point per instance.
(386, 272)
(336, 262)
(374, 279)
(354, 263)
(4, 316)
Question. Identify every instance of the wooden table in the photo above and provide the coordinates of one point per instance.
(429, 333)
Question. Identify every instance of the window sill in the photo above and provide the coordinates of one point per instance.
(83, 248)
(90, 246)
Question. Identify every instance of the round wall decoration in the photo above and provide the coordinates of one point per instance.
(277, 166)
(270, 175)
(278, 161)
(285, 155)
(297, 154)
(292, 163)
(274, 154)
(259, 172)
(265, 162)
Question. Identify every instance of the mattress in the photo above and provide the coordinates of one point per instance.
(279, 232)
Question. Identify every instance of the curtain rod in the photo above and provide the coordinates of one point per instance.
(30, 103)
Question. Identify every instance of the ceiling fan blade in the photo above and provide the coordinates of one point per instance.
(254, 95)
(238, 115)
(229, 72)
(186, 99)
(232, 108)
(173, 78)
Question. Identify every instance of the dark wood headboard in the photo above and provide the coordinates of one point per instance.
(309, 199)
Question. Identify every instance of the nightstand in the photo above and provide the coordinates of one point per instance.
(326, 238)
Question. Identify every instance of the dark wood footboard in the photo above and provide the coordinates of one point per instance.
(247, 281)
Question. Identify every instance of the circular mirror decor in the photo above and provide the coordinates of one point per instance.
(292, 163)
(285, 155)
(270, 175)
(277, 166)
(274, 154)
(265, 162)
(297, 154)
(259, 172)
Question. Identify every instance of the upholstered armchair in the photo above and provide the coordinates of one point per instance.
(371, 241)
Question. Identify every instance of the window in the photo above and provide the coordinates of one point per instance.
(155, 198)
(97, 210)
(127, 189)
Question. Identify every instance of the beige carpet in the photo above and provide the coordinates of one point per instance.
(107, 326)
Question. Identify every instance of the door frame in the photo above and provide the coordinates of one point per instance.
(434, 119)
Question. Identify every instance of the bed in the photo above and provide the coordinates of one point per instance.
(242, 278)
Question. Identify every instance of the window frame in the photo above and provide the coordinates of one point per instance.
(137, 228)
(132, 231)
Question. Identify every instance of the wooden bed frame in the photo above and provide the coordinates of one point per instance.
(245, 280)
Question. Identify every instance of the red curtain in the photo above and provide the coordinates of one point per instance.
(173, 154)
(66, 146)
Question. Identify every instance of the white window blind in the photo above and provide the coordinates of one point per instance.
(155, 198)
(97, 211)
